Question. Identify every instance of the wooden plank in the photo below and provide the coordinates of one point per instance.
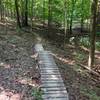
(55, 92)
(56, 99)
(51, 76)
(54, 96)
(43, 65)
(45, 53)
(47, 68)
(49, 79)
(45, 58)
(52, 81)
(57, 95)
(49, 71)
(53, 89)
(39, 47)
(52, 84)
(47, 64)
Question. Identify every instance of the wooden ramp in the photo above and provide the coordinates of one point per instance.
(52, 84)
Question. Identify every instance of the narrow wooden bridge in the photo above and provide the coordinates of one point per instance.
(52, 84)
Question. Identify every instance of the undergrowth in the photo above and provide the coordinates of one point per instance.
(37, 94)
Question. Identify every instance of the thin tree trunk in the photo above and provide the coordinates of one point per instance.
(17, 13)
(32, 14)
(71, 23)
(82, 24)
(26, 13)
(93, 34)
(43, 12)
(82, 20)
(49, 13)
(72, 13)
(1, 10)
(65, 21)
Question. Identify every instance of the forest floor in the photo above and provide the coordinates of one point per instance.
(17, 67)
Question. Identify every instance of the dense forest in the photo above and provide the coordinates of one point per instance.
(68, 28)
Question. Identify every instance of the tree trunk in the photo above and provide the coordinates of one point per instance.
(65, 21)
(82, 16)
(82, 24)
(1, 10)
(49, 13)
(43, 12)
(24, 13)
(17, 13)
(93, 34)
(71, 18)
(32, 10)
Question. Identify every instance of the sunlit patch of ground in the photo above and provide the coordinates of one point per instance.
(65, 60)
(8, 95)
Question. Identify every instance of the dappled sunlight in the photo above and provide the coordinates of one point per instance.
(2, 23)
(68, 61)
(7, 94)
(38, 24)
(34, 56)
(41, 62)
(54, 77)
(39, 39)
(71, 46)
(5, 23)
(5, 65)
(27, 81)
(50, 71)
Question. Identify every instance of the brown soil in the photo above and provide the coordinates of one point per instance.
(17, 68)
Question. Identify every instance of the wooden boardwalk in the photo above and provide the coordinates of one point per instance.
(52, 84)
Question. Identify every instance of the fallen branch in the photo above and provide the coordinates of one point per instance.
(90, 70)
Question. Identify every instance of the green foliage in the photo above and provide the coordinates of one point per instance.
(80, 56)
(98, 33)
(37, 94)
(85, 41)
(98, 45)
(77, 8)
